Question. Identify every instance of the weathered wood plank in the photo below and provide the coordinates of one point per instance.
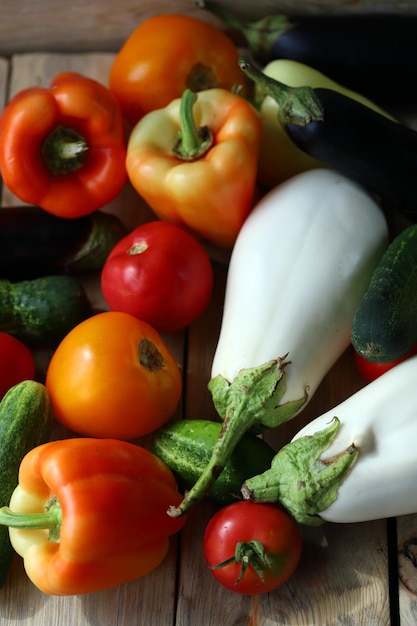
(51, 25)
(4, 73)
(407, 568)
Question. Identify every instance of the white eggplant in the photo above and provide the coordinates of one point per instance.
(300, 265)
(354, 463)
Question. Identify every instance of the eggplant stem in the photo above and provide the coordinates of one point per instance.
(300, 480)
(250, 402)
(296, 105)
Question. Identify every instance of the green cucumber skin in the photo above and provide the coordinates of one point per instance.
(25, 422)
(384, 327)
(185, 447)
(42, 310)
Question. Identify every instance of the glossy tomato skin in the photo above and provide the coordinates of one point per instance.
(166, 54)
(113, 376)
(245, 521)
(16, 362)
(369, 371)
(160, 274)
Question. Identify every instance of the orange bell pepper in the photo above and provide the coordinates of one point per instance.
(195, 162)
(104, 502)
(63, 147)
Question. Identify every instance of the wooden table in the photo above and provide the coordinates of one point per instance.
(348, 574)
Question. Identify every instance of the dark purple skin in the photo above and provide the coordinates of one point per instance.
(34, 243)
(365, 146)
(373, 54)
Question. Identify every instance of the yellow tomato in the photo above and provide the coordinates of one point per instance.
(113, 376)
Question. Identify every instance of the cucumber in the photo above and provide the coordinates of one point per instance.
(25, 422)
(185, 447)
(384, 326)
(35, 243)
(42, 310)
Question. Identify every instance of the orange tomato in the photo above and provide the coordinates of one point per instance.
(165, 55)
(113, 376)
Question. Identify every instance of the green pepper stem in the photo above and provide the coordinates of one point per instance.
(296, 105)
(192, 142)
(64, 150)
(50, 520)
(250, 402)
(260, 35)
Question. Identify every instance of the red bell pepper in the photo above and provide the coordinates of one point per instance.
(63, 147)
(104, 502)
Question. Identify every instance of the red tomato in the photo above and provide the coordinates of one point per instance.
(166, 54)
(370, 371)
(160, 274)
(113, 376)
(263, 533)
(16, 362)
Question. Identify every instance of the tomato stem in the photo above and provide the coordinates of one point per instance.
(193, 141)
(248, 553)
(149, 355)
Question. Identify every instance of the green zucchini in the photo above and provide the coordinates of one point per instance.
(384, 326)
(35, 243)
(42, 310)
(185, 446)
(25, 422)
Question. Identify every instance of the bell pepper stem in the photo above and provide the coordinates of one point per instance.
(250, 402)
(50, 520)
(300, 480)
(193, 141)
(296, 105)
(64, 150)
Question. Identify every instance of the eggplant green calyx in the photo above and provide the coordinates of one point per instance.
(254, 396)
(296, 105)
(260, 35)
(299, 480)
(193, 141)
(51, 519)
(248, 553)
(249, 403)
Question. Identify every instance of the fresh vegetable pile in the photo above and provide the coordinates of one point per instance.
(297, 173)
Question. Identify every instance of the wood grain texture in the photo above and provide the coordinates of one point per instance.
(407, 568)
(54, 25)
(343, 575)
